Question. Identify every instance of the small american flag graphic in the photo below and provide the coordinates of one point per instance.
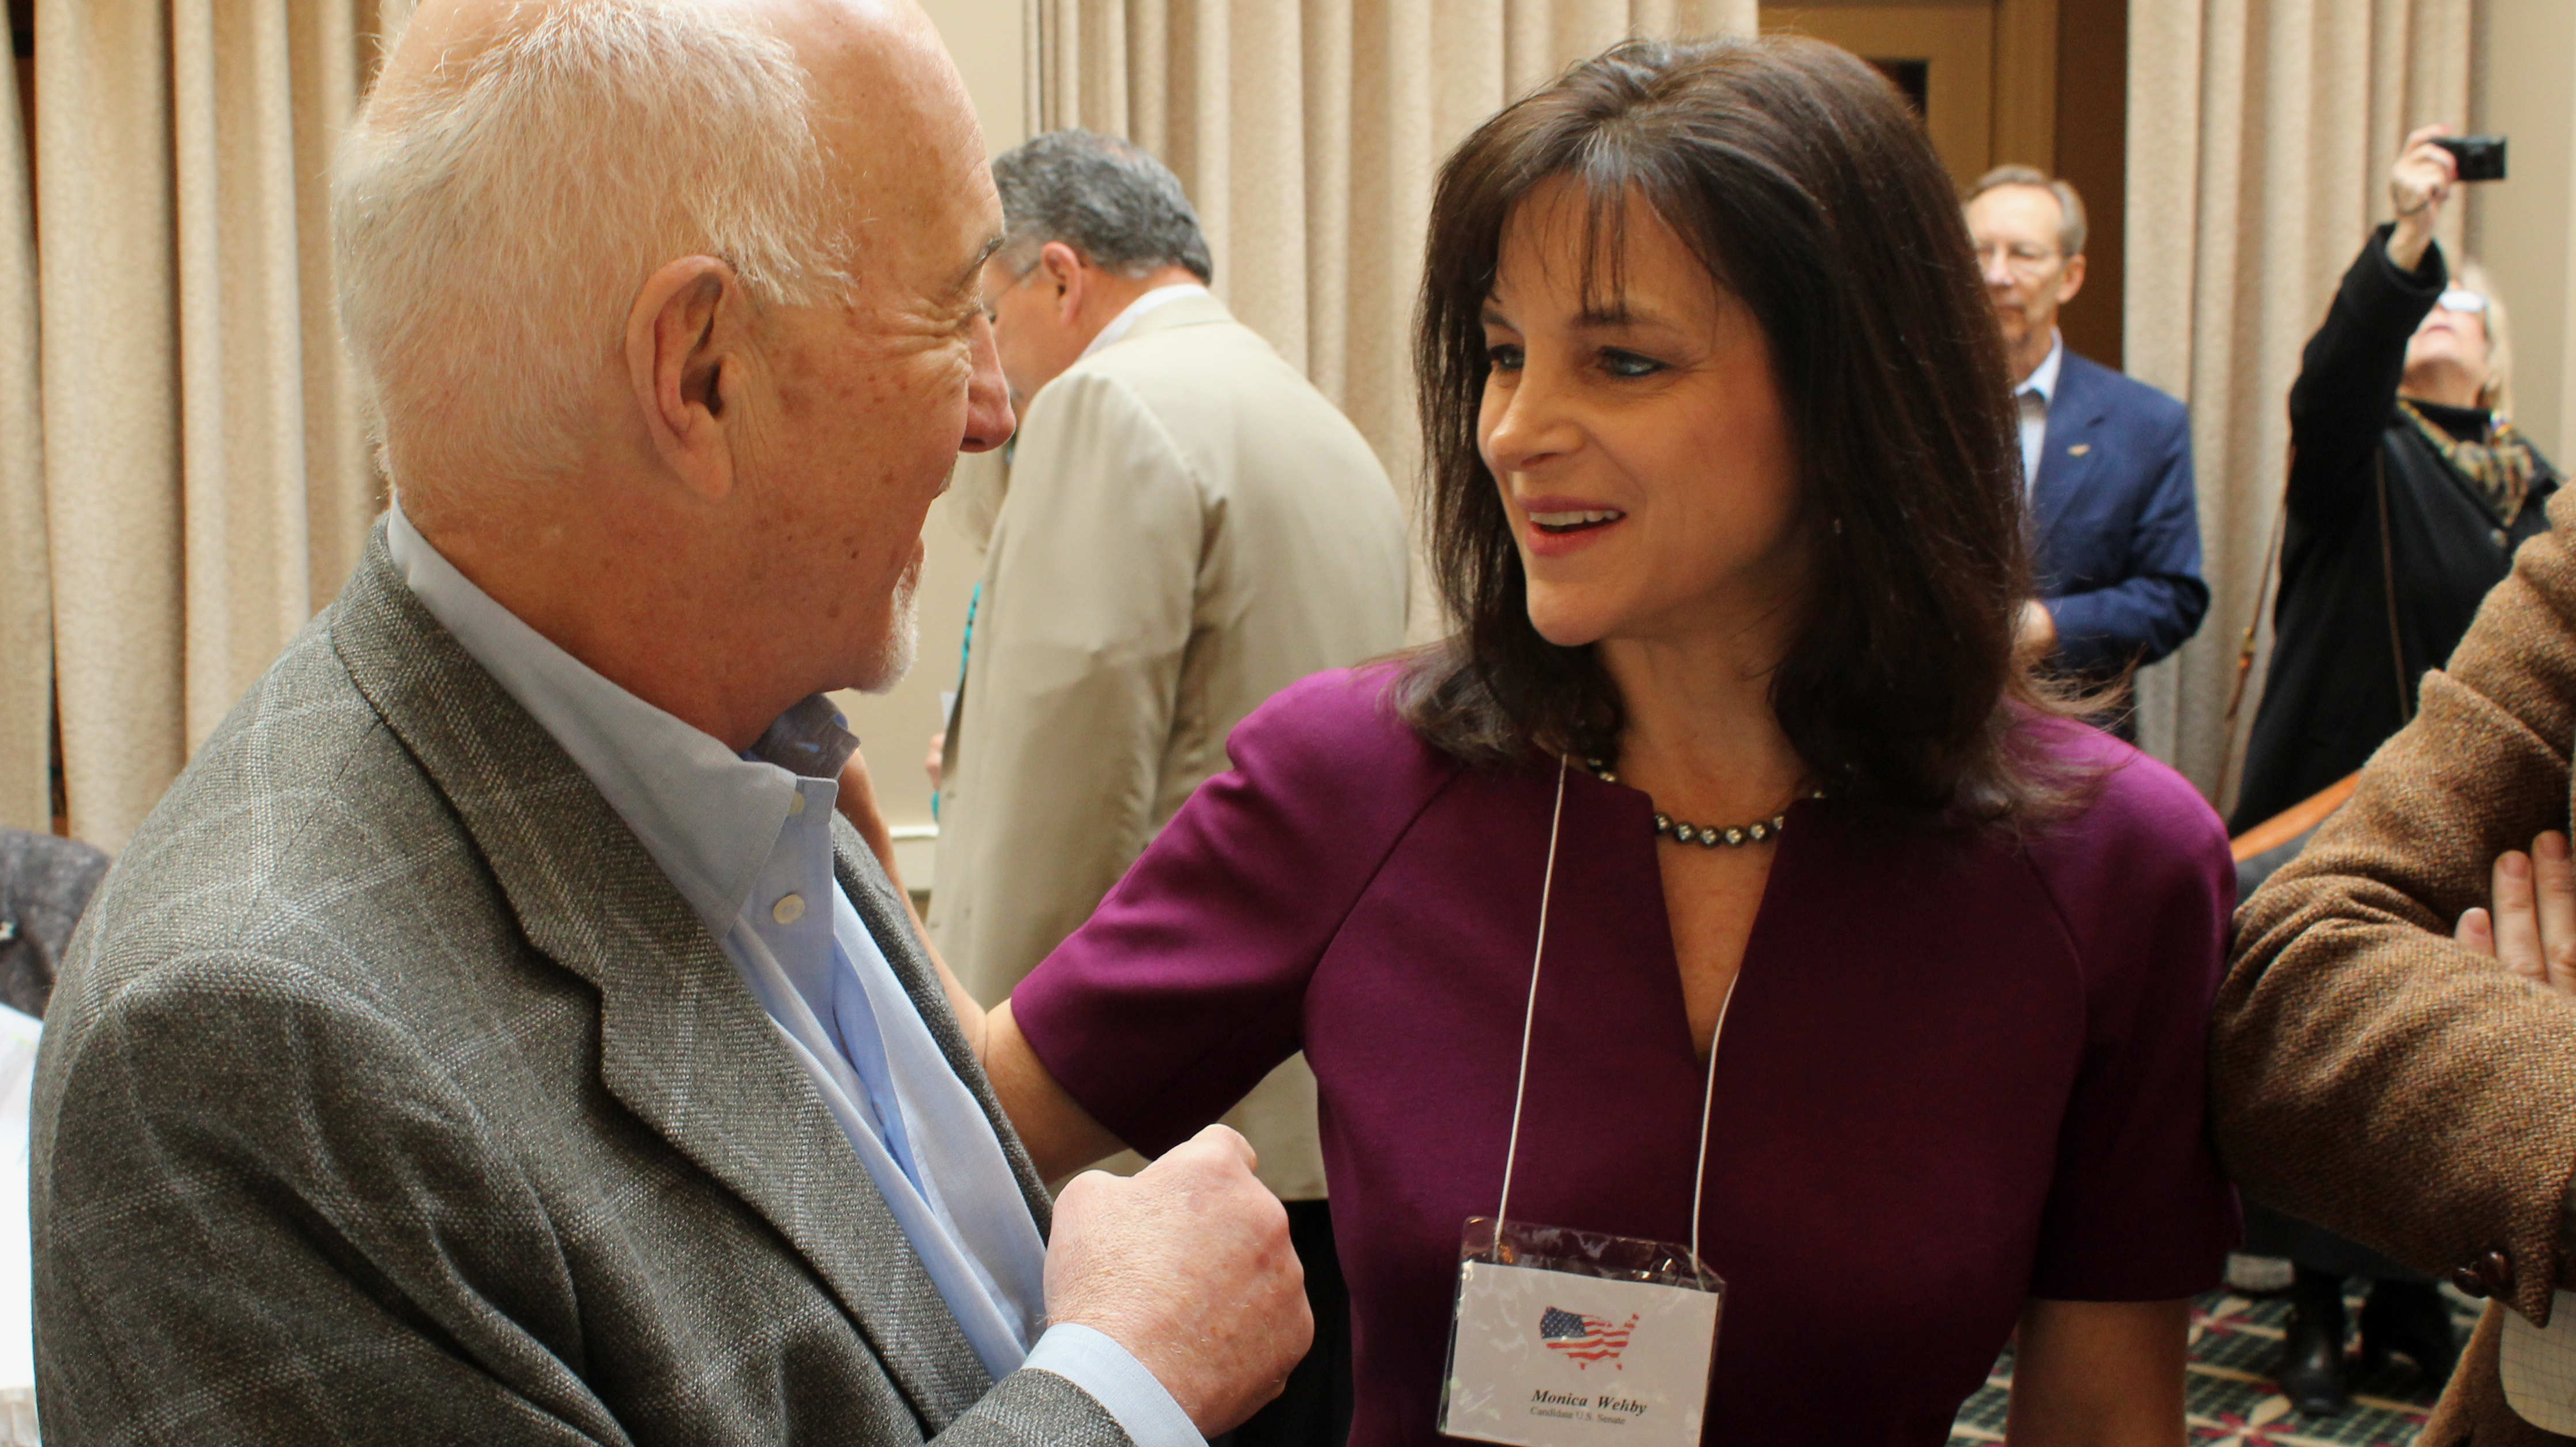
(1584, 1339)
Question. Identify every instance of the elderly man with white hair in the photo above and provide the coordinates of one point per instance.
(496, 1036)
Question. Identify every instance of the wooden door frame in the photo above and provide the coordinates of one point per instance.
(2025, 93)
(2023, 114)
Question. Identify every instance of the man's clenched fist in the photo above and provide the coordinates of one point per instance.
(1187, 1265)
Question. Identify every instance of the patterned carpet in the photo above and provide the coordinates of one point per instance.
(2230, 1399)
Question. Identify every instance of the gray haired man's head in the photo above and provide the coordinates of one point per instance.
(1120, 208)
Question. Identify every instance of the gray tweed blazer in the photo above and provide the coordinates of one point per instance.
(391, 1094)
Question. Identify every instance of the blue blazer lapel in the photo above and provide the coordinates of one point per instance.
(2069, 451)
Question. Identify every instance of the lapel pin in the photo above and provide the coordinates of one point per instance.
(2079, 449)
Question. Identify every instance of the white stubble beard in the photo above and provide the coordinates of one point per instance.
(902, 642)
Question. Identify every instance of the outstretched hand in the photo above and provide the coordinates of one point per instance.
(2421, 180)
(2531, 927)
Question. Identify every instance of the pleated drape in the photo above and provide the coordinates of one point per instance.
(26, 578)
(183, 479)
(1307, 133)
(203, 483)
(2260, 136)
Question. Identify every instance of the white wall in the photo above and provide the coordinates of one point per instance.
(988, 39)
(2523, 84)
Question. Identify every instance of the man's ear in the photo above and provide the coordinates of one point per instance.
(1065, 272)
(2071, 280)
(684, 346)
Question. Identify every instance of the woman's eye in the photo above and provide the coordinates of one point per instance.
(1503, 356)
(1628, 364)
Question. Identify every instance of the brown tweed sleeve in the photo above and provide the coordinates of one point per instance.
(2369, 1074)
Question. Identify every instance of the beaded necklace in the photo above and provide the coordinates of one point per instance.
(1707, 836)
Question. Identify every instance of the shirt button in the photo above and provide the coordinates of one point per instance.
(789, 909)
(796, 801)
(2501, 537)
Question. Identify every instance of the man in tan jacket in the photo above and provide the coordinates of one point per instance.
(1189, 527)
(2394, 1067)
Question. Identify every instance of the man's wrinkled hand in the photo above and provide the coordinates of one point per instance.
(1187, 1265)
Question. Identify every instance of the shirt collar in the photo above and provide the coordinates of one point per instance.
(1137, 310)
(709, 817)
(2043, 378)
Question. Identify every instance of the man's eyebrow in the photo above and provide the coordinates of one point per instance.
(967, 279)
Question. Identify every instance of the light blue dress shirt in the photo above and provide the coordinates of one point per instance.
(2033, 396)
(747, 841)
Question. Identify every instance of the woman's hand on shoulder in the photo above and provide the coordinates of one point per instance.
(2530, 928)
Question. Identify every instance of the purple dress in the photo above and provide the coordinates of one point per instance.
(1959, 1070)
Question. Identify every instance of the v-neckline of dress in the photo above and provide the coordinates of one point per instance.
(1670, 1003)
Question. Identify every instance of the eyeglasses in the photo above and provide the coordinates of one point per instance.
(2019, 259)
(992, 299)
(2461, 302)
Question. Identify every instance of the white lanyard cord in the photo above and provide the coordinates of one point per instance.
(1529, 1016)
(1707, 1104)
(1529, 1023)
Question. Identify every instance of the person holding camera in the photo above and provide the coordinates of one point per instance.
(2408, 493)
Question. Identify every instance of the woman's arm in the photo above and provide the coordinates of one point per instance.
(2349, 374)
(2099, 1374)
(857, 802)
(1188, 985)
(1061, 1136)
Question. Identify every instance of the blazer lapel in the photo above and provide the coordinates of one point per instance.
(2068, 452)
(683, 1044)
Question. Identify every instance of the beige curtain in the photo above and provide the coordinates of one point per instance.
(1307, 132)
(190, 442)
(2260, 136)
(26, 592)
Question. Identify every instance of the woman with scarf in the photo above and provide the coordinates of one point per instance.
(2409, 492)
(2404, 471)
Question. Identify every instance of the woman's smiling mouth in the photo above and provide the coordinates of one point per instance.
(1556, 524)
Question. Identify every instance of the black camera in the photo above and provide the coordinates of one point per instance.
(2481, 158)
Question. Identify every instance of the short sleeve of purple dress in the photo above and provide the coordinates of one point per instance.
(1960, 1070)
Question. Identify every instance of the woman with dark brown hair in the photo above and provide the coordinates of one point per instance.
(1722, 880)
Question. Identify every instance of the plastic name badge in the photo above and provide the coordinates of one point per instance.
(2539, 1367)
(1566, 1338)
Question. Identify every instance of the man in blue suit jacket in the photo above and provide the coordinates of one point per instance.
(2115, 528)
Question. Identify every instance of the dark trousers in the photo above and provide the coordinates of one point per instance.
(1314, 1410)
